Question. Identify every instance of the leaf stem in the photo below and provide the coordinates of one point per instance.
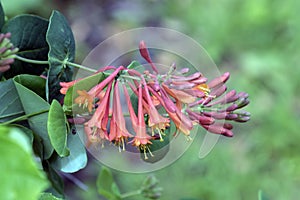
(11, 114)
(130, 194)
(81, 67)
(24, 117)
(130, 77)
(41, 62)
(46, 62)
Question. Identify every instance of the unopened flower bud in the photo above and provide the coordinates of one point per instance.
(7, 52)
(242, 102)
(218, 129)
(232, 108)
(219, 80)
(150, 188)
(184, 70)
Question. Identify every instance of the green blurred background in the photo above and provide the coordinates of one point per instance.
(258, 42)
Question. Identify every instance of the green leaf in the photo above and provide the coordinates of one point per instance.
(10, 104)
(20, 178)
(15, 7)
(57, 129)
(135, 102)
(134, 64)
(84, 84)
(28, 33)
(62, 50)
(115, 190)
(106, 185)
(2, 16)
(35, 83)
(48, 196)
(77, 158)
(261, 196)
(33, 103)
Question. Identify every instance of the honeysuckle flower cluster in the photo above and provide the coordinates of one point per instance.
(7, 52)
(180, 98)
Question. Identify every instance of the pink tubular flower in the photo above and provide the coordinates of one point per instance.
(156, 122)
(141, 139)
(182, 123)
(179, 95)
(98, 88)
(86, 99)
(97, 125)
(118, 132)
(66, 85)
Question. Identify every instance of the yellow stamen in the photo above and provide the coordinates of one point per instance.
(150, 152)
(188, 138)
(160, 134)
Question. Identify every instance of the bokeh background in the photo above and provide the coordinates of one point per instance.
(258, 42)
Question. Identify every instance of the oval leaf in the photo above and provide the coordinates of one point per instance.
(57, 129)
(35, 83)
(21, 178)
(10, 104)
(33, 103)
(28, 33)
(62, 49)
(106, 185)
(77, 158)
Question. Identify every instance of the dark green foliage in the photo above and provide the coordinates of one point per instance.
(62, 50)
(28, 33)
(11, 106)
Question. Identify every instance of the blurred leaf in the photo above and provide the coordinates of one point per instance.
(106, 185)
(84, 84)
(35, 83)
(28, 33)
(2, 16)
(53, 176)
(14, 7)
(104, 180)
(57, 129)
(10, 104)
(20, 177)
(26, 131)
(261, 196)
(62, 49)
(77, 158)
(189, 199)
(48, 196)
(33, 103)
(115, 190)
